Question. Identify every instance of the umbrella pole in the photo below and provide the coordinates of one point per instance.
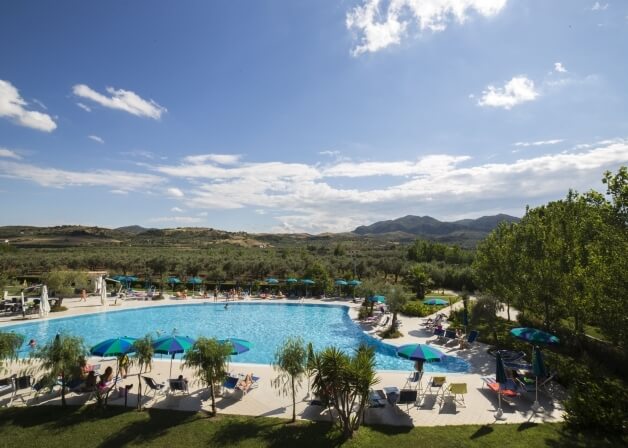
(171, 359)
(536, 406)
(499, 415)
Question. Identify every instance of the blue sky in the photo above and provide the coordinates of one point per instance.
(306, 116)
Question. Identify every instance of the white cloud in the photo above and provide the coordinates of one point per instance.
(175, 192)
(13, 107)
(57, 178)
(221, 159)
(518, 90)
(40, 104)
(203, 214)
(120, 99)
(329, 153)
(176, 210)
(597, 6)
(540, 142)
(424, 165)
(177, 219)
(559, 67)
(9, 154)
(381, 23)
(84, 107)
(118, 191)
(96, 139)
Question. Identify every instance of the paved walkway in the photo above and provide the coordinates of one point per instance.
(479, 407)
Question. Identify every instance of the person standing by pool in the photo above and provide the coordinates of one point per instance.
(83, 296)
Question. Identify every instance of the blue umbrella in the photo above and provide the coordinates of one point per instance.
(501, 379)
(195, 280)
(307, 281)
(534, 336)
(171, 345)
(341, 282)
(238, 345)
(378, 299)
(272, 281)
(291, 280)
(354, 282)
(113, 347)
(434, 301)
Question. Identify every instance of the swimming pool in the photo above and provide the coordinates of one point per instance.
(266, 325)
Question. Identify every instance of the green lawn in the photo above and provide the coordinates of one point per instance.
(116, 427)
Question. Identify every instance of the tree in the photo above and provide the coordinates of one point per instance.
(290, 361)
(61, 358)
(143, 357)
(344, 382)
(396, 299)
(10, 344)
(209, 359)
(63, 283)
(418, 279)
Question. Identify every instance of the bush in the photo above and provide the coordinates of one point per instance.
(158, 297)
(599, 404)
(416, 309)
(363, 313)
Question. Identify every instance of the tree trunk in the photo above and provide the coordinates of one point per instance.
(294, 402)
(211, 389)
(63, 403)
(508, 310)
(139, 390)
(394, 322)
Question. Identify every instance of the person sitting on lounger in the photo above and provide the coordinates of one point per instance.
(245, 384)
(90, 381)
(107, 376)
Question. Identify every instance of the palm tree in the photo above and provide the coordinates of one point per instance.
(290, 362)
(9, 347)
(60, 358)
(143, 357)
(209, 358)
(345, 381)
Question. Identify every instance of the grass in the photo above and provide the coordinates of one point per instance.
(116, 427)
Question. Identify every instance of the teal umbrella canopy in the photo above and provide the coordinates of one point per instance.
(420, 352)
(307, 281)
(238, 345)
(378, 299)
(195, 280)
(534, 336)
(538, 364)
(291, 280)
(272, 281)
(169, 345)
(341, 282)
(173, 281)
(354, 283)
(434, 301)
(114, 347)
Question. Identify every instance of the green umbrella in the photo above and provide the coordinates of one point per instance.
(421, 352)
(171, 345)
(378, 299)
(291, 280)
(534, 336)
(114, 347)
(238, 345)
(501, 379)
(539, 370)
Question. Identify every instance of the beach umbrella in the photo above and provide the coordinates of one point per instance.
(113, 347)
(422, 352)
(539, 370)
(307, 282)
(534, 336)
(238, 345)
(173, 281)
(44, 305)
(377, 299)
(354, 282)
(103, 293)
(501, 379)
(194, 281)
(272, 281)
(433, 301)
(171, 345)
(341, 282)
(291, 280)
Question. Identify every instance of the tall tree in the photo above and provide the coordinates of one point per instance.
(290, 361)
(144, 352)
(10, 344)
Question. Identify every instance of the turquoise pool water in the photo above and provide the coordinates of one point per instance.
(266, 325)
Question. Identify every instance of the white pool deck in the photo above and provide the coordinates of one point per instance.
(264, 400)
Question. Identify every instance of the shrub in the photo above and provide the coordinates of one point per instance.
(416, 309)
(599, 404)
(363, 313)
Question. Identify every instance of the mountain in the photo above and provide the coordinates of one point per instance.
(135, 230)
(431, 228)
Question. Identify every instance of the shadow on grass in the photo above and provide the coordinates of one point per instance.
(55, 418)
(391, 430)
(574, 439)
(275, 433)
(526, 425)
(482, 431)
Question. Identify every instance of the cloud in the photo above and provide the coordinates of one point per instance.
(174, 192)
(222, 159)
(96, 139)
(518, 90)
(439, 184)
(84, 107)
(540, 142)
(57, 178)
(118, 191)
(176, 210)
(120, 99)
(40, 104)
(9, 154)
(597, 6)
(177, 219)
(13, 107)
(203, 214)
(381, 23)
(559, 68)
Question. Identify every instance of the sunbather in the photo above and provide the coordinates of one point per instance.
(245, 384)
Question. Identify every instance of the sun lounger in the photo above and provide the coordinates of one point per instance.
(377, 399)
(178, 385)
(22, 386)
(407, 397)
(413, 381)
(154, 386)
(509, 390)
(455, 391)
(6, 385)
(450, 335)
(440, 335)
(437, 384)
(467, 343)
